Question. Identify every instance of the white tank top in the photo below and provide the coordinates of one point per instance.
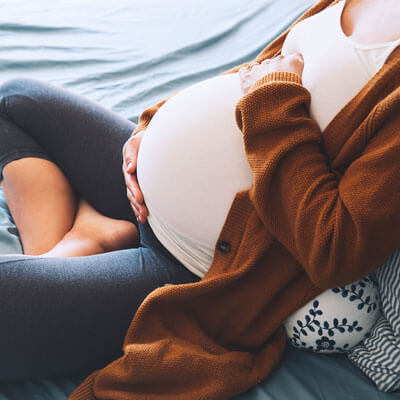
(335, 67)
(191, 161)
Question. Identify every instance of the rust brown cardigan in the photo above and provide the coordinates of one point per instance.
(324, 211)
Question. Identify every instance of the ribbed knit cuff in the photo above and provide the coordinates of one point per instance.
(276, 76)
(85, 390)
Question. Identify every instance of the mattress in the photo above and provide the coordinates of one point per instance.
(129, 55)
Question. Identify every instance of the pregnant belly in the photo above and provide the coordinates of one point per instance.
(192, 161)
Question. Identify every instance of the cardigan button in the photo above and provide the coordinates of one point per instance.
(224, 247)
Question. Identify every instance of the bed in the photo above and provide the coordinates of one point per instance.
(128, 55)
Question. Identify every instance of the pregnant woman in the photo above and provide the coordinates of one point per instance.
(254, 192)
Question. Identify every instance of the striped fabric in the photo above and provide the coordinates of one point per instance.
(388, 277)
(378, 355)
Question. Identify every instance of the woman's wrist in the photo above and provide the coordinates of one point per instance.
(281, 68)
(277, 76)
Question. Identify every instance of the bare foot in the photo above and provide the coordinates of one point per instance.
(112, 234)
(94, 233)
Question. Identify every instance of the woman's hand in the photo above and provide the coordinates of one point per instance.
(289, 63)
(135, 195)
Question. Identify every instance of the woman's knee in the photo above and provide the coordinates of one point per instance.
(15, 86)
(29, 93)
(17, 92)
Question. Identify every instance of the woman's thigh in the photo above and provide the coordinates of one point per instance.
(69, 315)
(82, 137)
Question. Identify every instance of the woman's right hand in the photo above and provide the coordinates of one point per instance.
(135, 195)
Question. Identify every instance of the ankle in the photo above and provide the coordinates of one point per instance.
(76, 243)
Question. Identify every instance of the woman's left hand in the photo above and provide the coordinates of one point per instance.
(289, 63)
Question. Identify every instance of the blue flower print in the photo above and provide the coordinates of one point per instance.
(325, 343)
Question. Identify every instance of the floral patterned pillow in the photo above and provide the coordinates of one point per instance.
(337, 319)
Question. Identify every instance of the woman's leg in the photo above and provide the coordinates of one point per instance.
(41, 201)
(55, 146)
(70, 315)
(94, 233)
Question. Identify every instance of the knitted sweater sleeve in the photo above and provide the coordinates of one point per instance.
(339, 228)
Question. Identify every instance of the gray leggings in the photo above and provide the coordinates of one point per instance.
(70, 315)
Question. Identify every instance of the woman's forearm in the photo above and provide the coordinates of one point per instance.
(339, 228)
